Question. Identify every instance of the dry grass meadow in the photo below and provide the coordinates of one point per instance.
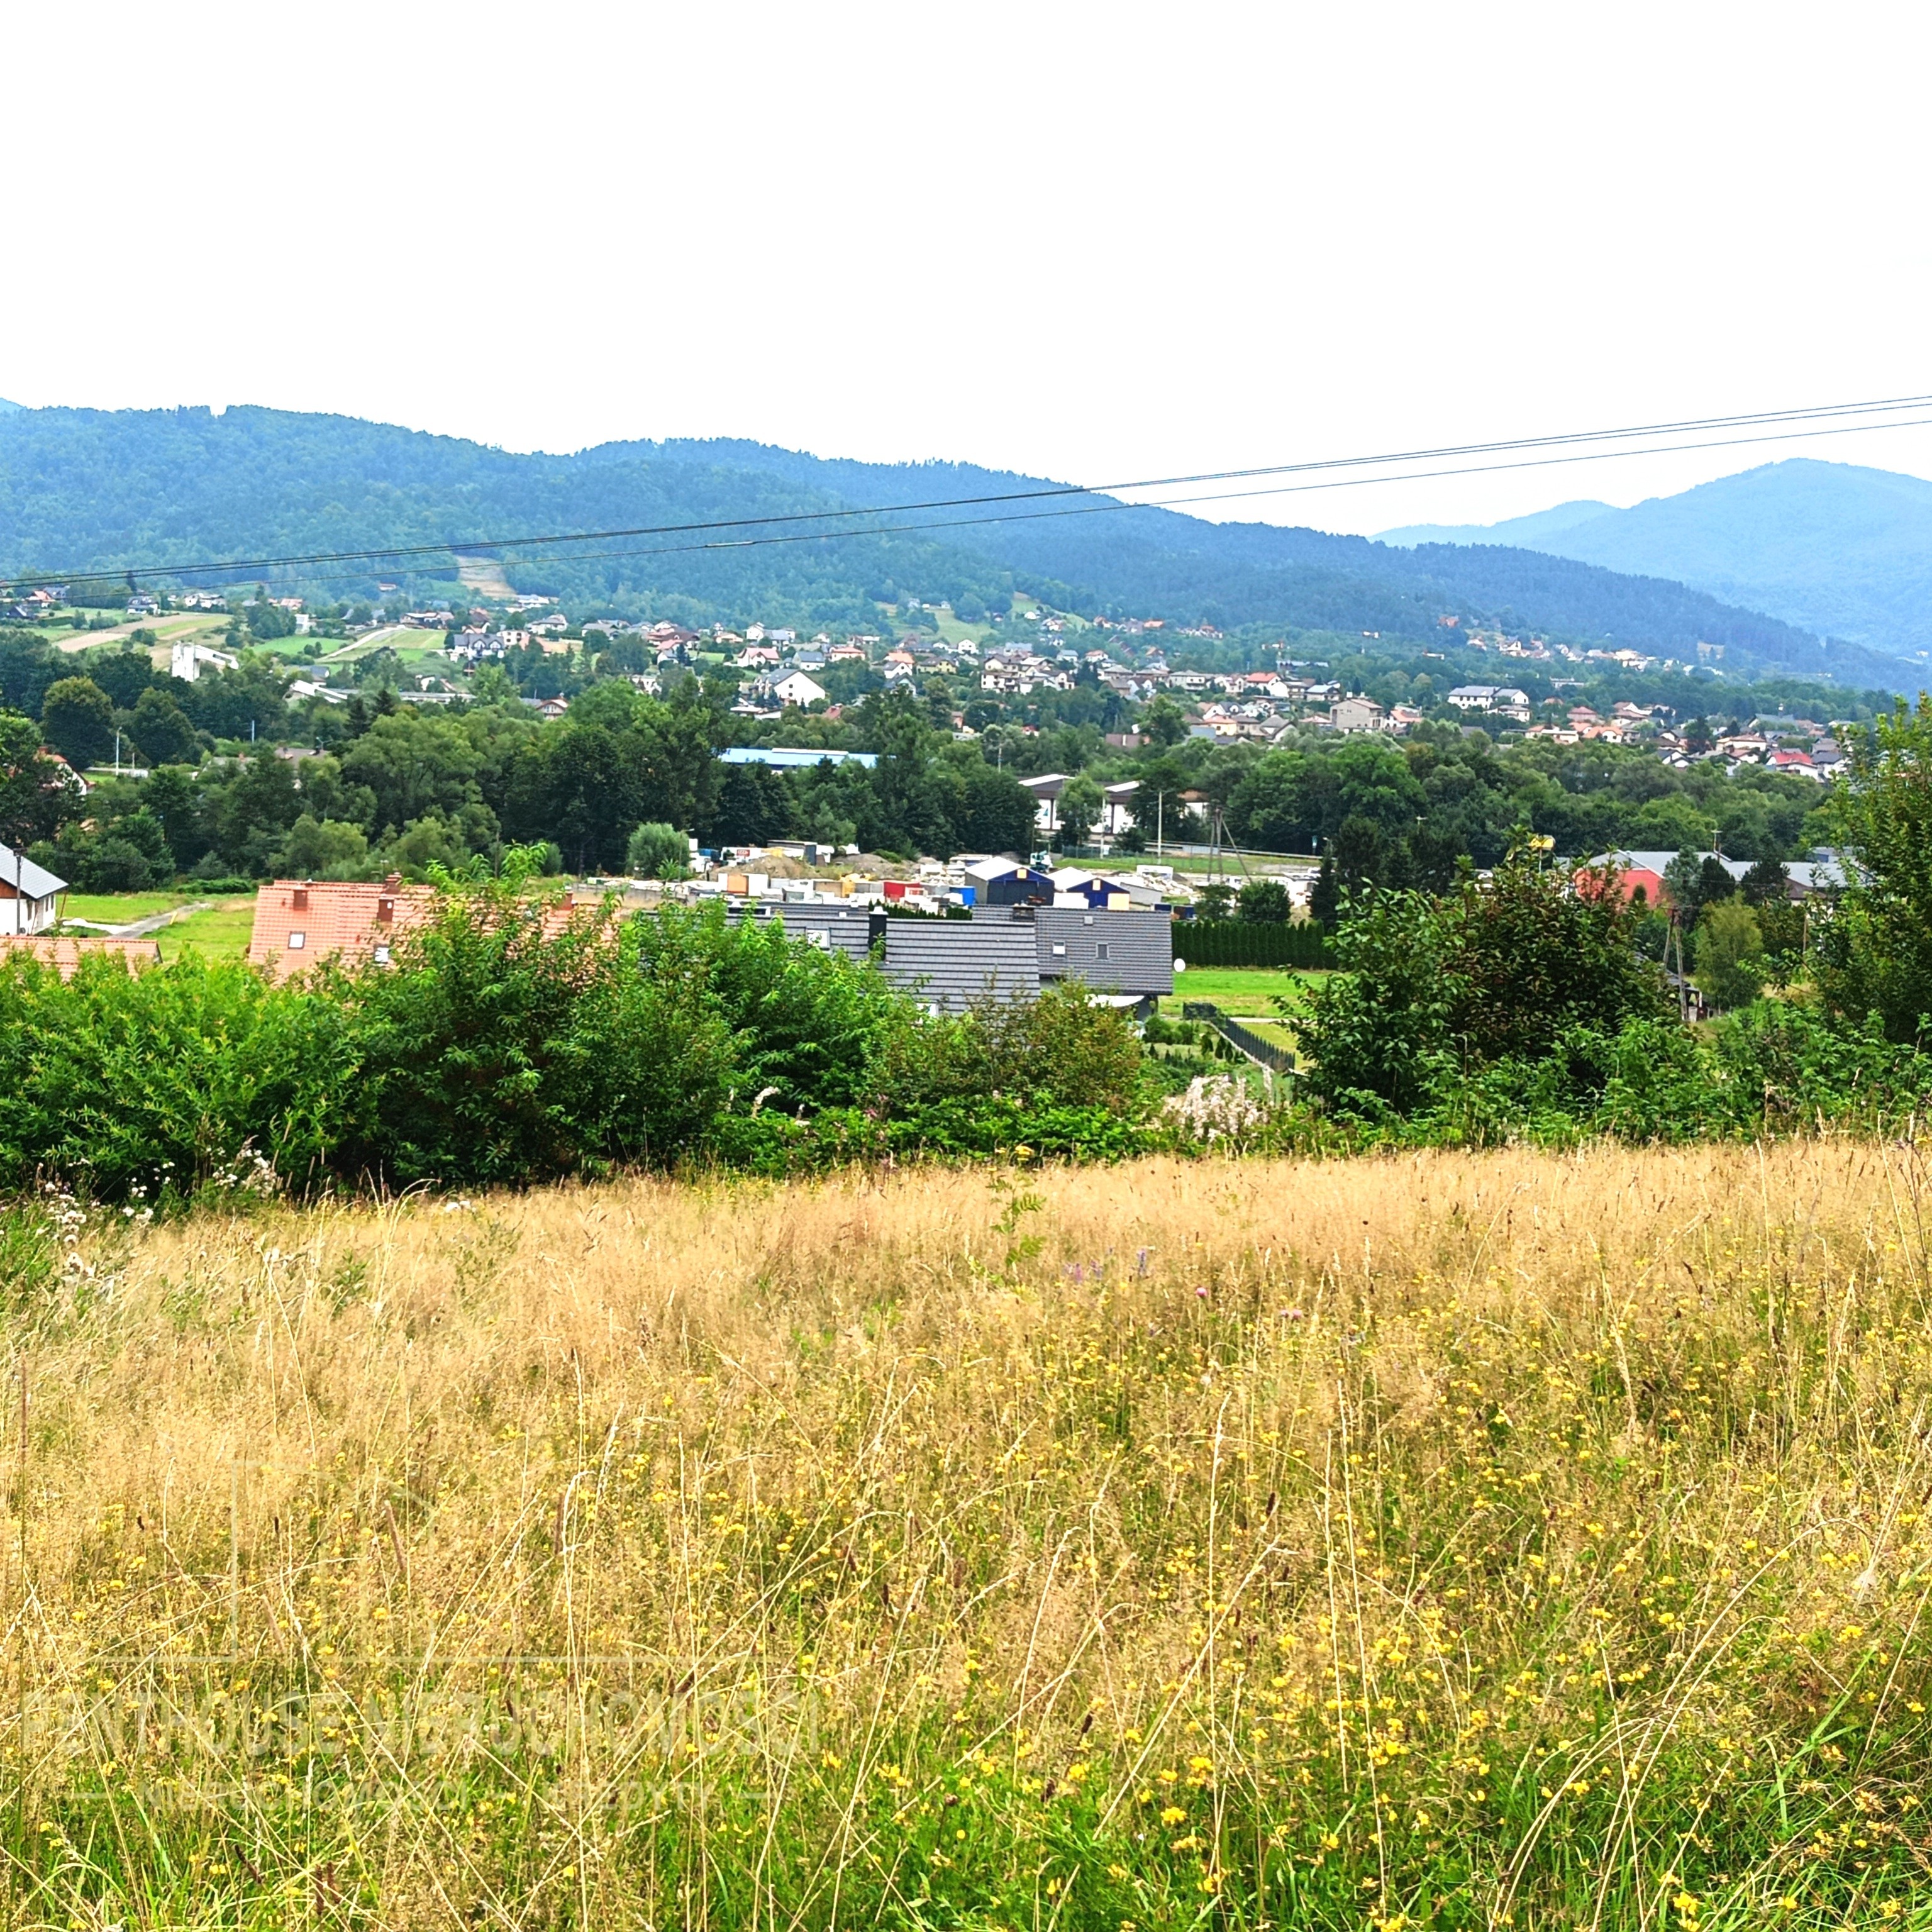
(1439, 1540)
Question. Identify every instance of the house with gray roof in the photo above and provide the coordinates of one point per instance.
(29, 894)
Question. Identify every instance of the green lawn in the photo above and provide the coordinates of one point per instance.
(223, 932)
(121, 908)
(1238, 990)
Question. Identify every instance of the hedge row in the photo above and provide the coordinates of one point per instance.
(1222, 942)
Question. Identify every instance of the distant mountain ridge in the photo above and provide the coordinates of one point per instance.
(1527, 532)
(1838, 549)
(86, 490)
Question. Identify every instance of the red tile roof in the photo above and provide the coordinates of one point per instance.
(64, 955)
(299, 922)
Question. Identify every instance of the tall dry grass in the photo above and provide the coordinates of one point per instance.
(1450, 1540)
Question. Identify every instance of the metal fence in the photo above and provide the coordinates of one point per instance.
(1263, 1052)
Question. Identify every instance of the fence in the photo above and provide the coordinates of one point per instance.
(1277, 1059)
(1227, 942)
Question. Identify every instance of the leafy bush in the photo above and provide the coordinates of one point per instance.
(1732, 964)
(1501, 971)
(656, 850)
(1875, 952)
(160, 1080)
(508, 1042)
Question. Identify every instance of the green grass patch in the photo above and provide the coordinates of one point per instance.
(121, 908)
(223, 932)
(1239, 990)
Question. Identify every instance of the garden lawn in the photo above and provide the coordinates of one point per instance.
(223, 932)
(121, 908)
(1239, 991)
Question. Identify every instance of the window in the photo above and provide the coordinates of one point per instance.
(382, 955)
(1103, 951)
(297, 940)
(1059, 950)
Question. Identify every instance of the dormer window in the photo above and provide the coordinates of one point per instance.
(297, 940)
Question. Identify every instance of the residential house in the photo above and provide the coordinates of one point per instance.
(1123, 957)
(795, 688)
(299, 922)
(1116, 812)
(1645, 871)
(1357, 714)
(1825, 871)
(949, 965)
(29, 894)
(1488, 698)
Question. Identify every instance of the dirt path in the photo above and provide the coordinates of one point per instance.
(139, 929)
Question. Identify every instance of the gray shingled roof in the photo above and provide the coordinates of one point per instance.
(1138, 955)
(840, 929)
(35, 882)
(950, 963)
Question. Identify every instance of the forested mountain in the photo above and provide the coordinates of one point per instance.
(1530, 532)
(1841, 550)
(84, 490)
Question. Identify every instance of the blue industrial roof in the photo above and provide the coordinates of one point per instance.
(787, 757)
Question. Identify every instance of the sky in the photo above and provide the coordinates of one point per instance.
(1094, 242)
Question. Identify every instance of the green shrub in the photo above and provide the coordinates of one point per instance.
(164, 1080)
(1220, 942)
(1501, 970)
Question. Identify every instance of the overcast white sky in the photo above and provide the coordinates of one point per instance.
(1094, 241)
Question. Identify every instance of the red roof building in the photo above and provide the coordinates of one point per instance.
(299, 922)
(65, 954)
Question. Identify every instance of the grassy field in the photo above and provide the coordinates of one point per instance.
(1239, 990)
(1448, 1541)
(222, 932)
(171, 630)
(121, 908)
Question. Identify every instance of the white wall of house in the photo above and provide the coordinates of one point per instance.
(24, 913)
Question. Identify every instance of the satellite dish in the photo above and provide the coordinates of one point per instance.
(1181, 965)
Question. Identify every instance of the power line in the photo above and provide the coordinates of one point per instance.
(1838, 416)
(1116, 506)
(1100, 509)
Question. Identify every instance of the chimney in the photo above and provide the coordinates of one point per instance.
(394, 879)
(300, 900)
(385, 910)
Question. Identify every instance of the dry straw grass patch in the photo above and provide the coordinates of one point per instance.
(1444, 1539)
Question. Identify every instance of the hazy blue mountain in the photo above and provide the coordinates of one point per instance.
(1836, 548)
(86, 491)
(5, 405)
(1527, 532)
